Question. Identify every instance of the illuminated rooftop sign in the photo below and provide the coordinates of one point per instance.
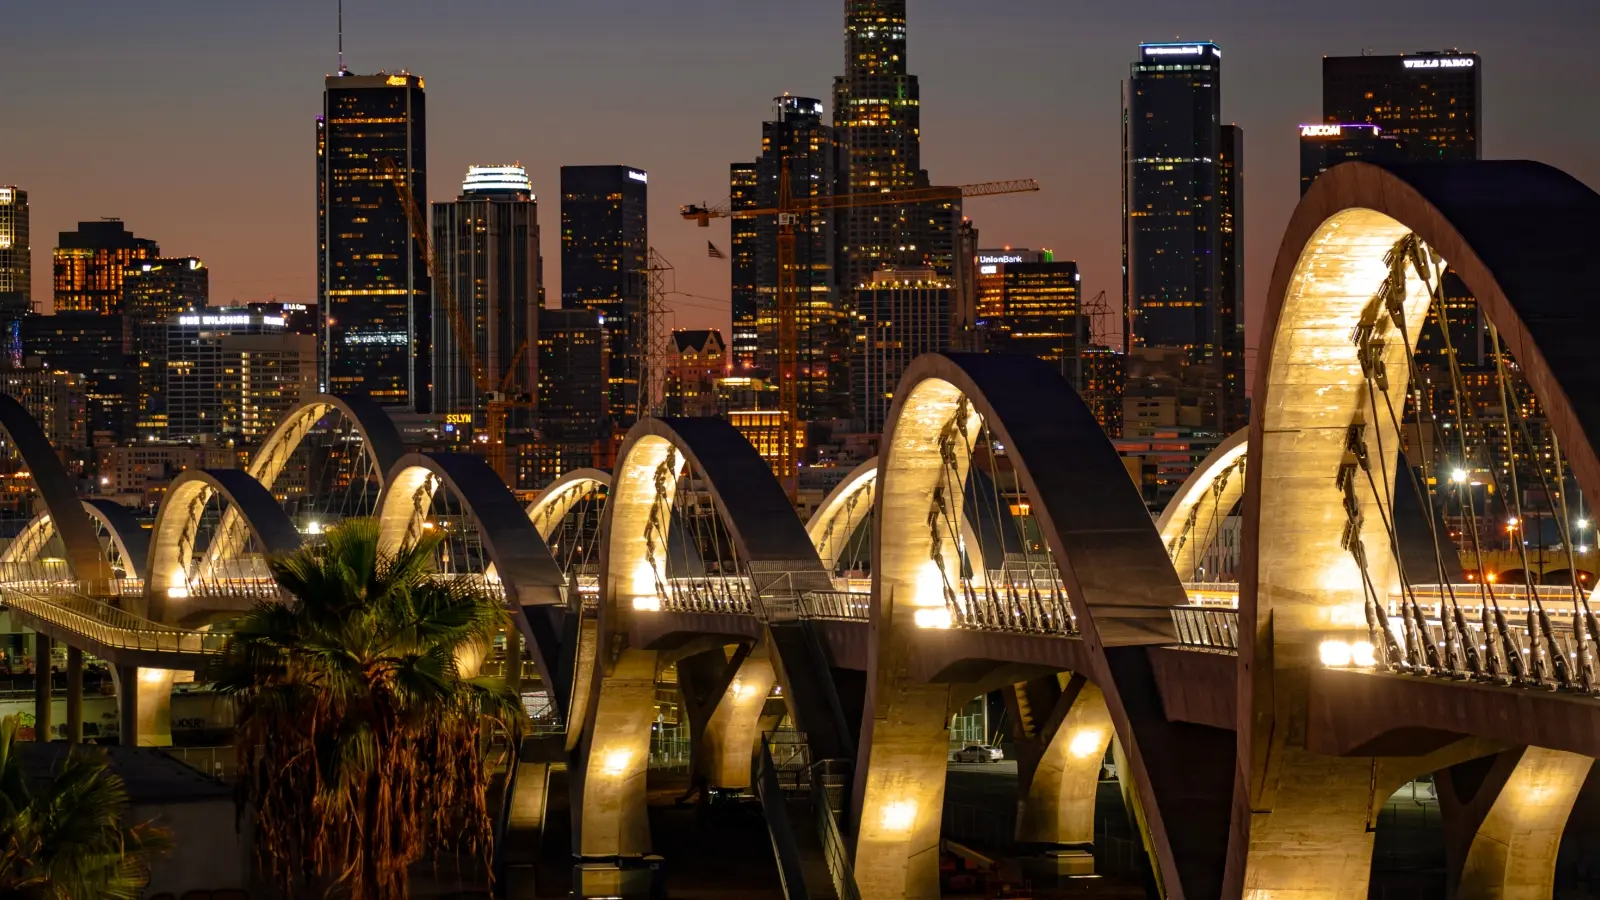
(1180, 49)
(1441, 62)
(496, 178)
(638, 176)
(1315, 131)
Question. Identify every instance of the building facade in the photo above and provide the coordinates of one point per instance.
(90, 264)
(232, 375)
(153, 292)
(1431, 101)
(900, 315)
(487, 245)
(1028, 303)
(1183, 194)
(574, 403)
(373, 293)
(94, 347)
(799, 141)
(1324, 146)
(699, 362)
(605, 250)
(744, 242)
(16, 273)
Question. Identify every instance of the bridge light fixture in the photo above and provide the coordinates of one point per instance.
(935, 617)
(178, 592)
(1582, 524)
(615, 762)
(1086, 743)
(1363, 654)
(1459, 476)
(314, 527)
(900, 816)
(1335, 654)
(649, 603)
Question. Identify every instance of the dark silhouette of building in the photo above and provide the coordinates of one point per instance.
(153, 292)
(372, 278)
(700, 361)
(93, 346)
(574, 403)
(605, 247)
(742, 266)
(1430, 101)
(1324, 146)
(1183, 196)
(90, 264)
(487, 243)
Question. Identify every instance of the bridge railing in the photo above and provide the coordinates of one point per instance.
(108, 626)
(1207, 627)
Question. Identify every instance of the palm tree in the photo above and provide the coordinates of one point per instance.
(361, 744)
(65, 839)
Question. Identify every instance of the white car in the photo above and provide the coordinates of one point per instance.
(978, 753)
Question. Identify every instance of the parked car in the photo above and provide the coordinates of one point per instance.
(978, 753)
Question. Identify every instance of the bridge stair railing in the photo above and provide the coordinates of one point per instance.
(801, 801)
(108, 626)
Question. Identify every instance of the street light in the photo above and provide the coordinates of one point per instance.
(1459, 476)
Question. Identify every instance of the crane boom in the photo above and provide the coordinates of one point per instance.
(702, 214)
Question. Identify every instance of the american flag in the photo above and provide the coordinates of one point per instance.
(713, 252)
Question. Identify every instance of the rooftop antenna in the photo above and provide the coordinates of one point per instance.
(341, 37)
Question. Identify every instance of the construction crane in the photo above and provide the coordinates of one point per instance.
(499, 394)
(788, 211)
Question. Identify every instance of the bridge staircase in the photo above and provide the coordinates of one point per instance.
(802, 803)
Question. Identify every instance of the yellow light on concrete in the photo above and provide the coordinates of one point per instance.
(177, 593)
(933, 618)
(152, 676)
(1086, 743)
(1335, 654)
(615, 762)
(898, 817)
(744, 690)
(1363, 654)
(651, 603)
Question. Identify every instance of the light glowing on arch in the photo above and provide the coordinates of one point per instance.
(1207, 496)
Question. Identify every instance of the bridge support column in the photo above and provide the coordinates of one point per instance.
(144, 706)
(514, 658)
(74, 695)
(1503, 818)
(1313, 839)
(905, 746)
(724, 700)
(42, 699)
(1059, 762)
(613, 816)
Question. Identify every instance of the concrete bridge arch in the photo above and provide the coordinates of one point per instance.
(1520, 236)
(1122, 588)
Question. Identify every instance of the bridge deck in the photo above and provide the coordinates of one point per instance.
(115, 635)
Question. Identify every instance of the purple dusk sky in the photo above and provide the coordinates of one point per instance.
(192, 119)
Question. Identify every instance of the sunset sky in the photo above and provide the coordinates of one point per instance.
(192, 119)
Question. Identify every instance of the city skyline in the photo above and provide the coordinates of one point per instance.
(178, 180)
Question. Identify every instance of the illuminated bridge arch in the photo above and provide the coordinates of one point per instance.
(1359, 270)
(380, 438)
(1193, 518)
(835, 528)
(181, 577)
(568, 516)
(663, 581)
(565, 493)
(84, 557)
(490, 537)
(124, 542)
(1095, 538)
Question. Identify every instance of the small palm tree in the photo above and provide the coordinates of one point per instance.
(65, 839)
(361, 745)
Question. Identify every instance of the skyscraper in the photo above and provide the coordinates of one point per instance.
(742, 194)
(1182, 196)
(1430, 101)
(605, 247)
(900, 315)
(487, 244)
(798, 140)
(574, 394)
(153, 293)
(372, 278)
(233, 374)
(1028, 303)
(877, 121)
(16, 265)
(1324, 146)
(90, 264)
(16, 273)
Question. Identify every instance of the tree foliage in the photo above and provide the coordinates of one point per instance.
(65, 839)
(362, 746)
